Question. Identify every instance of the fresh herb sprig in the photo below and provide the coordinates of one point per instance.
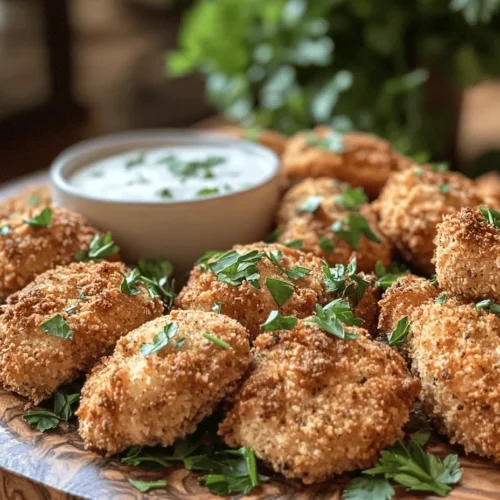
(275, 321)
(43, 219)
(233, 267)
(488, 305)
(145, 486)
(160, 340)
(344, 282)
(399, 335)
(101, 247)
(280, 290)
(490, 216)
(353, 228)
(408, 464)
(295, 273)
(216, 341)
(352, 198)
(389, 275)
(57, 327)
(330, 318)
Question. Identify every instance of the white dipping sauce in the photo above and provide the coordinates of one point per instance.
(178, 173)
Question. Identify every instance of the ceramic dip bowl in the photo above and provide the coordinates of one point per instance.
(181, 227)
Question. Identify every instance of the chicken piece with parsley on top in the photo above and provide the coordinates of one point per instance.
(162, 380)
(64, 321)
(32, 197)
(313, 405)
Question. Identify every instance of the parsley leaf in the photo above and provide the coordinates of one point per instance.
(388, 276)
(233, 267)
(145, 486)
(99, 248)
(216, 341)
(343, 280)
(410, 465)
(5, 230)
(439, 167)
(296, 244)
(311, 205)
(326, 243)
(352, 198)
(400, 333)
(160, 340)
(329, 318)
(155, 269)
(216, 308)
(368, 488)
(192, 168)
(207, 256)
(34, 200)
(43, 219)
(43, 419)
(352, 230)
(441, 299)
(136, 160)
(57, 327)
(129, 283)
(332, 142)
(490, 216)
(275, 321)
(165, 194)
(444, 188)
(273, 235)
(490, 305)
(70, 309)
(63, 404)
(208, 191)
(295, 273)
(280, 290)
(433, 280)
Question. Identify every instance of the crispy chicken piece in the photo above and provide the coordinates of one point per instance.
(313, 405)
(468, 256)
(27, 251)
(455, 351)
(414, 202)
(367, 308)
(249, 305)
(401, 298)
(131, 398)
(33, 197)
(365, 160)
(489, 188)
(88, 299)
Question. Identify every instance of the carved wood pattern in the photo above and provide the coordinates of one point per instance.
(54, 466)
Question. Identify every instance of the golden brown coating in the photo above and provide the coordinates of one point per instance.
(414, 202)
(455, 351)
(88, 297)
(367, 161)
(367, 308)
(131, 399)
(468, 256)
(251, 306)
(314, 229)
(401, 298)
(314, 405)
(32, 197)
(28, 251)
(489, 188)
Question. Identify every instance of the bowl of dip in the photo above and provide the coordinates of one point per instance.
(170, 194)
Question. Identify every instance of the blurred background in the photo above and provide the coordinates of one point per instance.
(425, 74)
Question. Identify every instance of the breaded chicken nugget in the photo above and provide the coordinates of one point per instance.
(63, 322)
(317, 237)
(162, 380)
(468, 255)
(28, 199)
(250, 304)
(314, 405)
(414, 202)
(401, 298)
(27, 251)
(367, 307)
(489, 188)
(455, 351)
(360, 159)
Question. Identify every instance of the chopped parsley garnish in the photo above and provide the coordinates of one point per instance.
(399, 335)
(145, 486)
(129, 283)
(352, 198)
(70, 309)
(332, 142)
(444, 188)
(439, 167)
(216, 341)
(389, 275)
(488, 305)
(343, 281)
(45, 420)
(155, 269)
(330, 318)
(160, 340)
(57, 327)
(34, 200)
(5, 230)
(208, 191)
(295, 273)
(274, 235)
(137, 160)
(352, 230)
(100, 248)
(280, 290)
(207, 256)
(442, 299)
(233, 267)
(311, 205)
(275, 321)
(192, 168)
(216, 308)
(407, 464)
(296, 244)
(180, 343)
(166, 194)
(325, 243)
(43, 219)
(490, 216)
(433, 280)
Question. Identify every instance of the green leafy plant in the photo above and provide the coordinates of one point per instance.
(379, 66)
